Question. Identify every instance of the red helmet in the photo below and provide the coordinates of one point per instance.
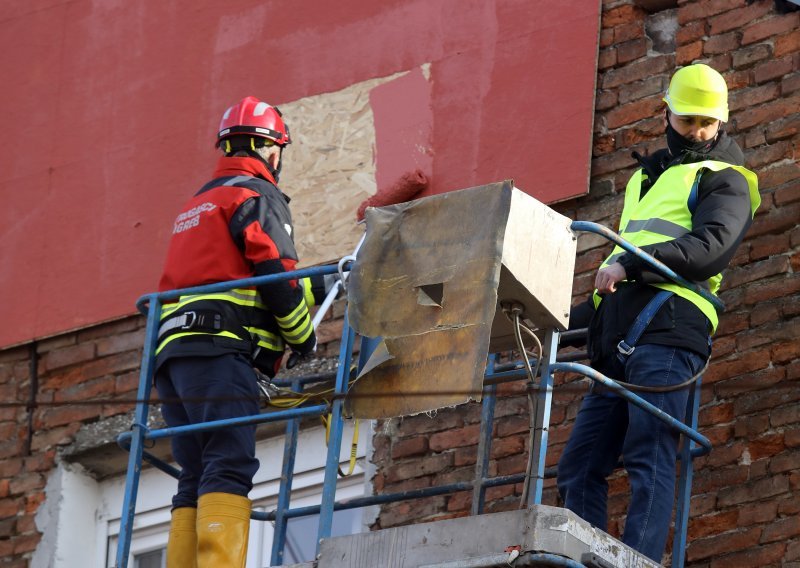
(253, 117)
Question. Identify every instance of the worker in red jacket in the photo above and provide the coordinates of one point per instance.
(236, 226)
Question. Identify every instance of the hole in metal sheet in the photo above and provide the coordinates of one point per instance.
(431, 295)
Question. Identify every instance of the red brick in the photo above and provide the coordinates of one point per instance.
(756, 513)
(782, 529)
(114, 364)
(790, 83)
(764, 313)
(110, 329)
(751, 427)
(753, 491)
(766, 446)
(26, 543)
(633, 112)
(761, 114)
(717, 414)
(784, 416)
(637, 71)
(408, 485)
(712, 524)
(701, 504)
(788, 43)
(739, 365)
(66, 357)
(759, 556)
(132, 341)
(721, 44)
(773, 69)
(33, 501)
(715, 546)
(606, 37)
(720, 478)
(456, 438)
(757, 271)
(772, 26)
(605, 100)
(85, 391)
(417, 468)
(422, 423)
(787, 194)
(785, 352)
(508, 446)
(687, 53)
(27, 483)
(409, 447)
(699, 10)
(690, 32)
(787, 462)
(792, 437)
(607, 58)
(10, 506)
(778, 174)
(627, 32)
(746, 98)
(610, 163)
(777, 220)
(621, 15)
(631, 50)
(784, 128)
(737, 18)
(750, 402)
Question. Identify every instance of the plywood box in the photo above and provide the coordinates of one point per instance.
(429, 280)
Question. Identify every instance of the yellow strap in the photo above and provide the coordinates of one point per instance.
(307, 293)
(353, 445)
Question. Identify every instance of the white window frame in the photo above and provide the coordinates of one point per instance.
(151, 521)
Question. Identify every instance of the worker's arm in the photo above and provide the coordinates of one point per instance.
(719, 224)
(261, 228)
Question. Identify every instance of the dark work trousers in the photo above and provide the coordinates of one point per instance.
(607, 426)
(202, 389)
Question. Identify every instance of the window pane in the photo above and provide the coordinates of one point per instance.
(301, 533)
(152, 559)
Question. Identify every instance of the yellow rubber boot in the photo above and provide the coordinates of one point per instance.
(182, 545)
(223, 525)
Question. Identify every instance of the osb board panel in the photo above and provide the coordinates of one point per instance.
(426, 282)
(329, 169)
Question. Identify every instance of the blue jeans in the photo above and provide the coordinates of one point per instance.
(607, 426)
(201, 389)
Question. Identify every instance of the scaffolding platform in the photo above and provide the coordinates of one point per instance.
(541, 535)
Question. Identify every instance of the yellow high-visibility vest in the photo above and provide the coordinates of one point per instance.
(663, 215)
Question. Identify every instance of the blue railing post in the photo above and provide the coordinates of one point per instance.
(335, 421)
(685, 480)
(484, 442)
(285, 491)
(138, 435)
(545, 400)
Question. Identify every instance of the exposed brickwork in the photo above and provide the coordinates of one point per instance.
(744, 508)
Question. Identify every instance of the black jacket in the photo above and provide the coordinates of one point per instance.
(719, 223)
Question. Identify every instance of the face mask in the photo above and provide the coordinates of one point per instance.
(679, 145)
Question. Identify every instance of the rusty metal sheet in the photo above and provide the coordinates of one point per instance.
(426, 281)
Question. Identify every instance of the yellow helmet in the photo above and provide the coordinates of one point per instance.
(698, 90)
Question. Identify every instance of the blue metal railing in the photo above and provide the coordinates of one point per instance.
(134, 440)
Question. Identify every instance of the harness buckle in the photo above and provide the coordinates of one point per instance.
(190, 323)
(624, 348)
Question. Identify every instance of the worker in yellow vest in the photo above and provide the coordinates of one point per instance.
(688, 205)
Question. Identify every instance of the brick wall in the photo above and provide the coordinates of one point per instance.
(743, 510)
(744, 507)
(100, 363)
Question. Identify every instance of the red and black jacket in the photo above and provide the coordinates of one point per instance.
(237, 226)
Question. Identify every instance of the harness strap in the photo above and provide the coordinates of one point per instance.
(627, 345)
(197, 320)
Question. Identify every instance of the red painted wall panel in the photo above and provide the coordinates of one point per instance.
(110, 109)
